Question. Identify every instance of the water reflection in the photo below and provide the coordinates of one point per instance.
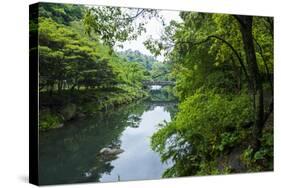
(139, 161)
(155, 87)
(71, 154)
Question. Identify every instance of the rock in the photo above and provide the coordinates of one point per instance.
(134, 117)
(81, 115)
(133, 120)
(108, 158)
(88, 174)
(109, 151)
(135, 126)
(60, 125)
(49, 120)
(68, 111)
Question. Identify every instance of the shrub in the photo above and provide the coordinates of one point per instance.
(206, 125)
(49, 120)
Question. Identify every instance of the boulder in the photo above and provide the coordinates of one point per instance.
(68, 111)
(60, 125)
(134, 117)
(81, 115)
(110, 151)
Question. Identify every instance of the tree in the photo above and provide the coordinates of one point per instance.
(204, 32)
(214, 58)
(112, 24)
(136, 56)
(255, 77)
(61, 13)
(65, 56)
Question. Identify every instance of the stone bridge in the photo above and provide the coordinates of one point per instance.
(160, 83)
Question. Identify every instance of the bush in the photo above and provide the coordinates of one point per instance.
(206, 125)
(48, 120)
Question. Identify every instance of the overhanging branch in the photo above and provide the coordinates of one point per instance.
(229, 45)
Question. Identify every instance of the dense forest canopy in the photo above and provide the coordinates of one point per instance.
(222, 66)
(75, 57)
(137, 56)
(70, 56)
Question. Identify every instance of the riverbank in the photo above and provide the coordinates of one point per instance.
(58, 108)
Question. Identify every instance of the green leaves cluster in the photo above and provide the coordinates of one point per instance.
(76, 53)
(49, 120)
(83, 69)
(65, 56)
(114, 24)
(217, 113)
(61, 13)
(206, 125)
(137, 56)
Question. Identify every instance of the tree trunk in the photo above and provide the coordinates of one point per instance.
(265, 65)
(254, 74)
(270, 26)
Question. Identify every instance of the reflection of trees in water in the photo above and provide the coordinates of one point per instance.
(161, 95)
(134, 120)
(170, 107)
(71, 154)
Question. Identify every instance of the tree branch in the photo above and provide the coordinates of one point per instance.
(260, 51)
(230, 46)
(137, 15)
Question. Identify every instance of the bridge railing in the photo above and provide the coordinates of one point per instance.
(148, 82)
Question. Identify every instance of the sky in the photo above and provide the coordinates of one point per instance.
(154, 28)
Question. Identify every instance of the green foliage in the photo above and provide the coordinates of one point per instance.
(212, 82)
(207, 125)
(61, 13)
(205, 52)
(82, 62)
(228, 140)
(72, 62)
(262, 158)
(136, 56)
(161, 71)
(153, 69)
(114, 24)
(48, 120)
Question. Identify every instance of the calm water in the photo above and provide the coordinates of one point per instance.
(71, 154)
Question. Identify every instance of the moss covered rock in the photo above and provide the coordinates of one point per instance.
(49, 120)
(68, 111)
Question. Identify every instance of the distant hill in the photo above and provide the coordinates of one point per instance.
(136, 56)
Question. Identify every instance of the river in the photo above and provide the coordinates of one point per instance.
(71, 154)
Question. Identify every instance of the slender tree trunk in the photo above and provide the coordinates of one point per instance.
(237, 74)
(59, 85)
(256, 82)
(51, 88)
(265, 65)
(270, 26)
